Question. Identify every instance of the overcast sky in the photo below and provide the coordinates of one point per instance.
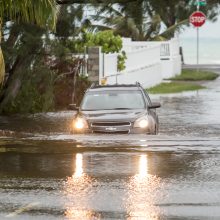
(207, 30)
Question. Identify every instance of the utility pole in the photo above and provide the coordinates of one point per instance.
(197, 59)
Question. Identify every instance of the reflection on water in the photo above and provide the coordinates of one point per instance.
(142, 193)
(76, 190)
(111, 185)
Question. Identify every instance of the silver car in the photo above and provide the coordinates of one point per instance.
(119, 109)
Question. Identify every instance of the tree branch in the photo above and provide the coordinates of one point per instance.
(64, 2)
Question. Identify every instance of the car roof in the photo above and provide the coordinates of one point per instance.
(115, 87)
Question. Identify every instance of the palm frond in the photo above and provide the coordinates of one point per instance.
(174, 28)
(96, 28)
(39, 12)
(152, 27)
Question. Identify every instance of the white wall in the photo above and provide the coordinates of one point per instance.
(171, 67)
(110, 64)
(147, 62)
(148, 76)
(142, 57)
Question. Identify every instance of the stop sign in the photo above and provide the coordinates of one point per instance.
(197, 18)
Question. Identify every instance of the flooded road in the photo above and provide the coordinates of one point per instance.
(46, 173)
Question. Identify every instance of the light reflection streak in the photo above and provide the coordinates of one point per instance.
(144, 145)
(78, 166)
(77, 214)
(143, 166)
(142, 193)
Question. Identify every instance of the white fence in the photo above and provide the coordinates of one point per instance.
(147, 62)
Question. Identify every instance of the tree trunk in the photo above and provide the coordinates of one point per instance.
(2, 67)
(2, 63)
(13, 87)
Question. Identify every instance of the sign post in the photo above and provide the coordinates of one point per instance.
(197, 18)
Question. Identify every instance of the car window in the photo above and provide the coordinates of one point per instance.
(108, 99)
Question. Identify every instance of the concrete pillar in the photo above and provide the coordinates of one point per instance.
(94, 64)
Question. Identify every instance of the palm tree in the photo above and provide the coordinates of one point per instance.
(129, 20)
(42, 13)
(147, 19)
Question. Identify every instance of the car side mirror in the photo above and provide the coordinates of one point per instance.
(73, 107)
(154, 105)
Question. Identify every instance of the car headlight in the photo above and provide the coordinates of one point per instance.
(142, 122)
(80, 124)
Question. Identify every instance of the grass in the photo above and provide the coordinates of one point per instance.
(184, 82)
(194, 75)
(174, 87)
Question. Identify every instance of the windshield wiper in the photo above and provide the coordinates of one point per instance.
(106, 109)
(89, 109)
(121, 108)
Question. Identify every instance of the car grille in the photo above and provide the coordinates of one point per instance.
(116, 132)
(111, 127)
(110, 124)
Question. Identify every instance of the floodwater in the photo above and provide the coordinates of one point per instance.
(46, 173)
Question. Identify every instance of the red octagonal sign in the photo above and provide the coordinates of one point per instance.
(197, 18)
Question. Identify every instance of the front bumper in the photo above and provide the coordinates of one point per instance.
(115, 127)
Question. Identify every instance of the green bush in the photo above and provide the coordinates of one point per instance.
(109, 42)
(121, 61)
(105, 39)
(35, 94)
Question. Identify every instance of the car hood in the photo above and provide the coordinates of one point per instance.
(114, 115)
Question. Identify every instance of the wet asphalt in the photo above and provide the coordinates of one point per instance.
(46, 173)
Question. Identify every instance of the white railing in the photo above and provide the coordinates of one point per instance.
(167, 48)
(165, 51)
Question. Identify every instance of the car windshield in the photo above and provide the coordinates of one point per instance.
(113, 100)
